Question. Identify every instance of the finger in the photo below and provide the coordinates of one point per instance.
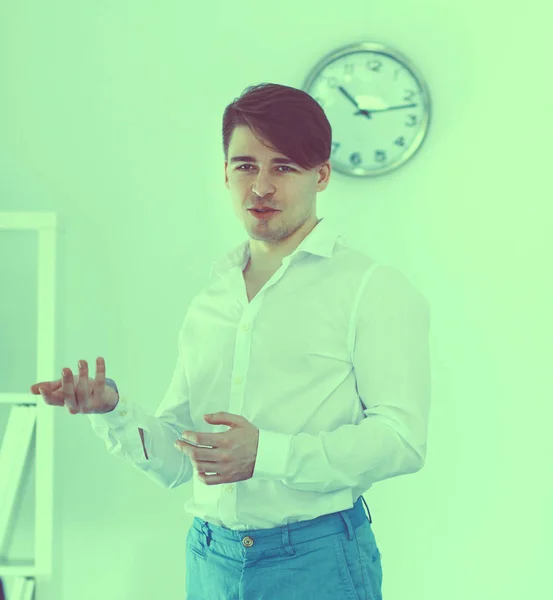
(48, 396)
(100, 379)
(48, 386)
(69, 391)
(83, 400)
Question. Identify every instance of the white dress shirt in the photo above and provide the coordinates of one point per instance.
(330, 361)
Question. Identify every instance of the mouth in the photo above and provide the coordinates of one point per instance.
(262, 214)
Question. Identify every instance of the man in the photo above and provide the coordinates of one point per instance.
(303, 377)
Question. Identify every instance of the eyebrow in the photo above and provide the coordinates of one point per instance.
(276, 161)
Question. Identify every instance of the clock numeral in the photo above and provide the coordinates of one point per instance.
(355, 158)
(348, 69)
(409, 95)
(412, 121)
(396, 74)
(374, 65)
(335, 146)
(380, 156)
(400, 141)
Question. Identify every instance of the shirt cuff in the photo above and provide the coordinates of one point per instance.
(118, 417)
(273, 450)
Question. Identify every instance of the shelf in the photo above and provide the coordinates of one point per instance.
(12, 462)
(17, 568)
(18, 398)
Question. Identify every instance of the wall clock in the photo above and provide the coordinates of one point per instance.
(378, 106)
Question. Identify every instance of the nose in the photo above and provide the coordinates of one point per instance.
(262, 185)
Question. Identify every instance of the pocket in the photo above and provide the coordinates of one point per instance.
(367, 542)
(362, 568)
(195, 543)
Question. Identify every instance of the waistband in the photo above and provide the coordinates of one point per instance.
(291, 533)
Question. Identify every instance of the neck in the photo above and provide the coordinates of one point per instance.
(260, 269)
(273, 263)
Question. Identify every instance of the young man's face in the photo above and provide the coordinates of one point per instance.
(259, 182)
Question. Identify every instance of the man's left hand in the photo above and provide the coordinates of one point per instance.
(233, 452)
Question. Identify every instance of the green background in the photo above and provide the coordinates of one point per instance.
(110, 116)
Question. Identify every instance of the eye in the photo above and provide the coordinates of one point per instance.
(280, 167)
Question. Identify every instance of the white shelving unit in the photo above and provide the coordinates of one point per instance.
(28, 414)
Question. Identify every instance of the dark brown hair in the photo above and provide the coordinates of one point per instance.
(288, 119)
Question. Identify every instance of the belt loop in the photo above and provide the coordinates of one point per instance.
(370, 520)
(349, 526)
(285, 535)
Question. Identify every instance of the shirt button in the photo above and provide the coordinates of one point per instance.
(229, 488)
(238, 380)
(123, 413)
(245, 327)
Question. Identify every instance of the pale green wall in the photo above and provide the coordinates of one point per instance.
(110, 116)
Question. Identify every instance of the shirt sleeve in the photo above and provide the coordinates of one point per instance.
(391, 360)
(157, 458)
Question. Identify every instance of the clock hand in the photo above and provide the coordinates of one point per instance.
(351, 99)
(386, 109)
(367, 113)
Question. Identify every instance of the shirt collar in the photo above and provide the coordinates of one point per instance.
(321, 241)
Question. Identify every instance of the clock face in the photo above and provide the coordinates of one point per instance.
(377, 104)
